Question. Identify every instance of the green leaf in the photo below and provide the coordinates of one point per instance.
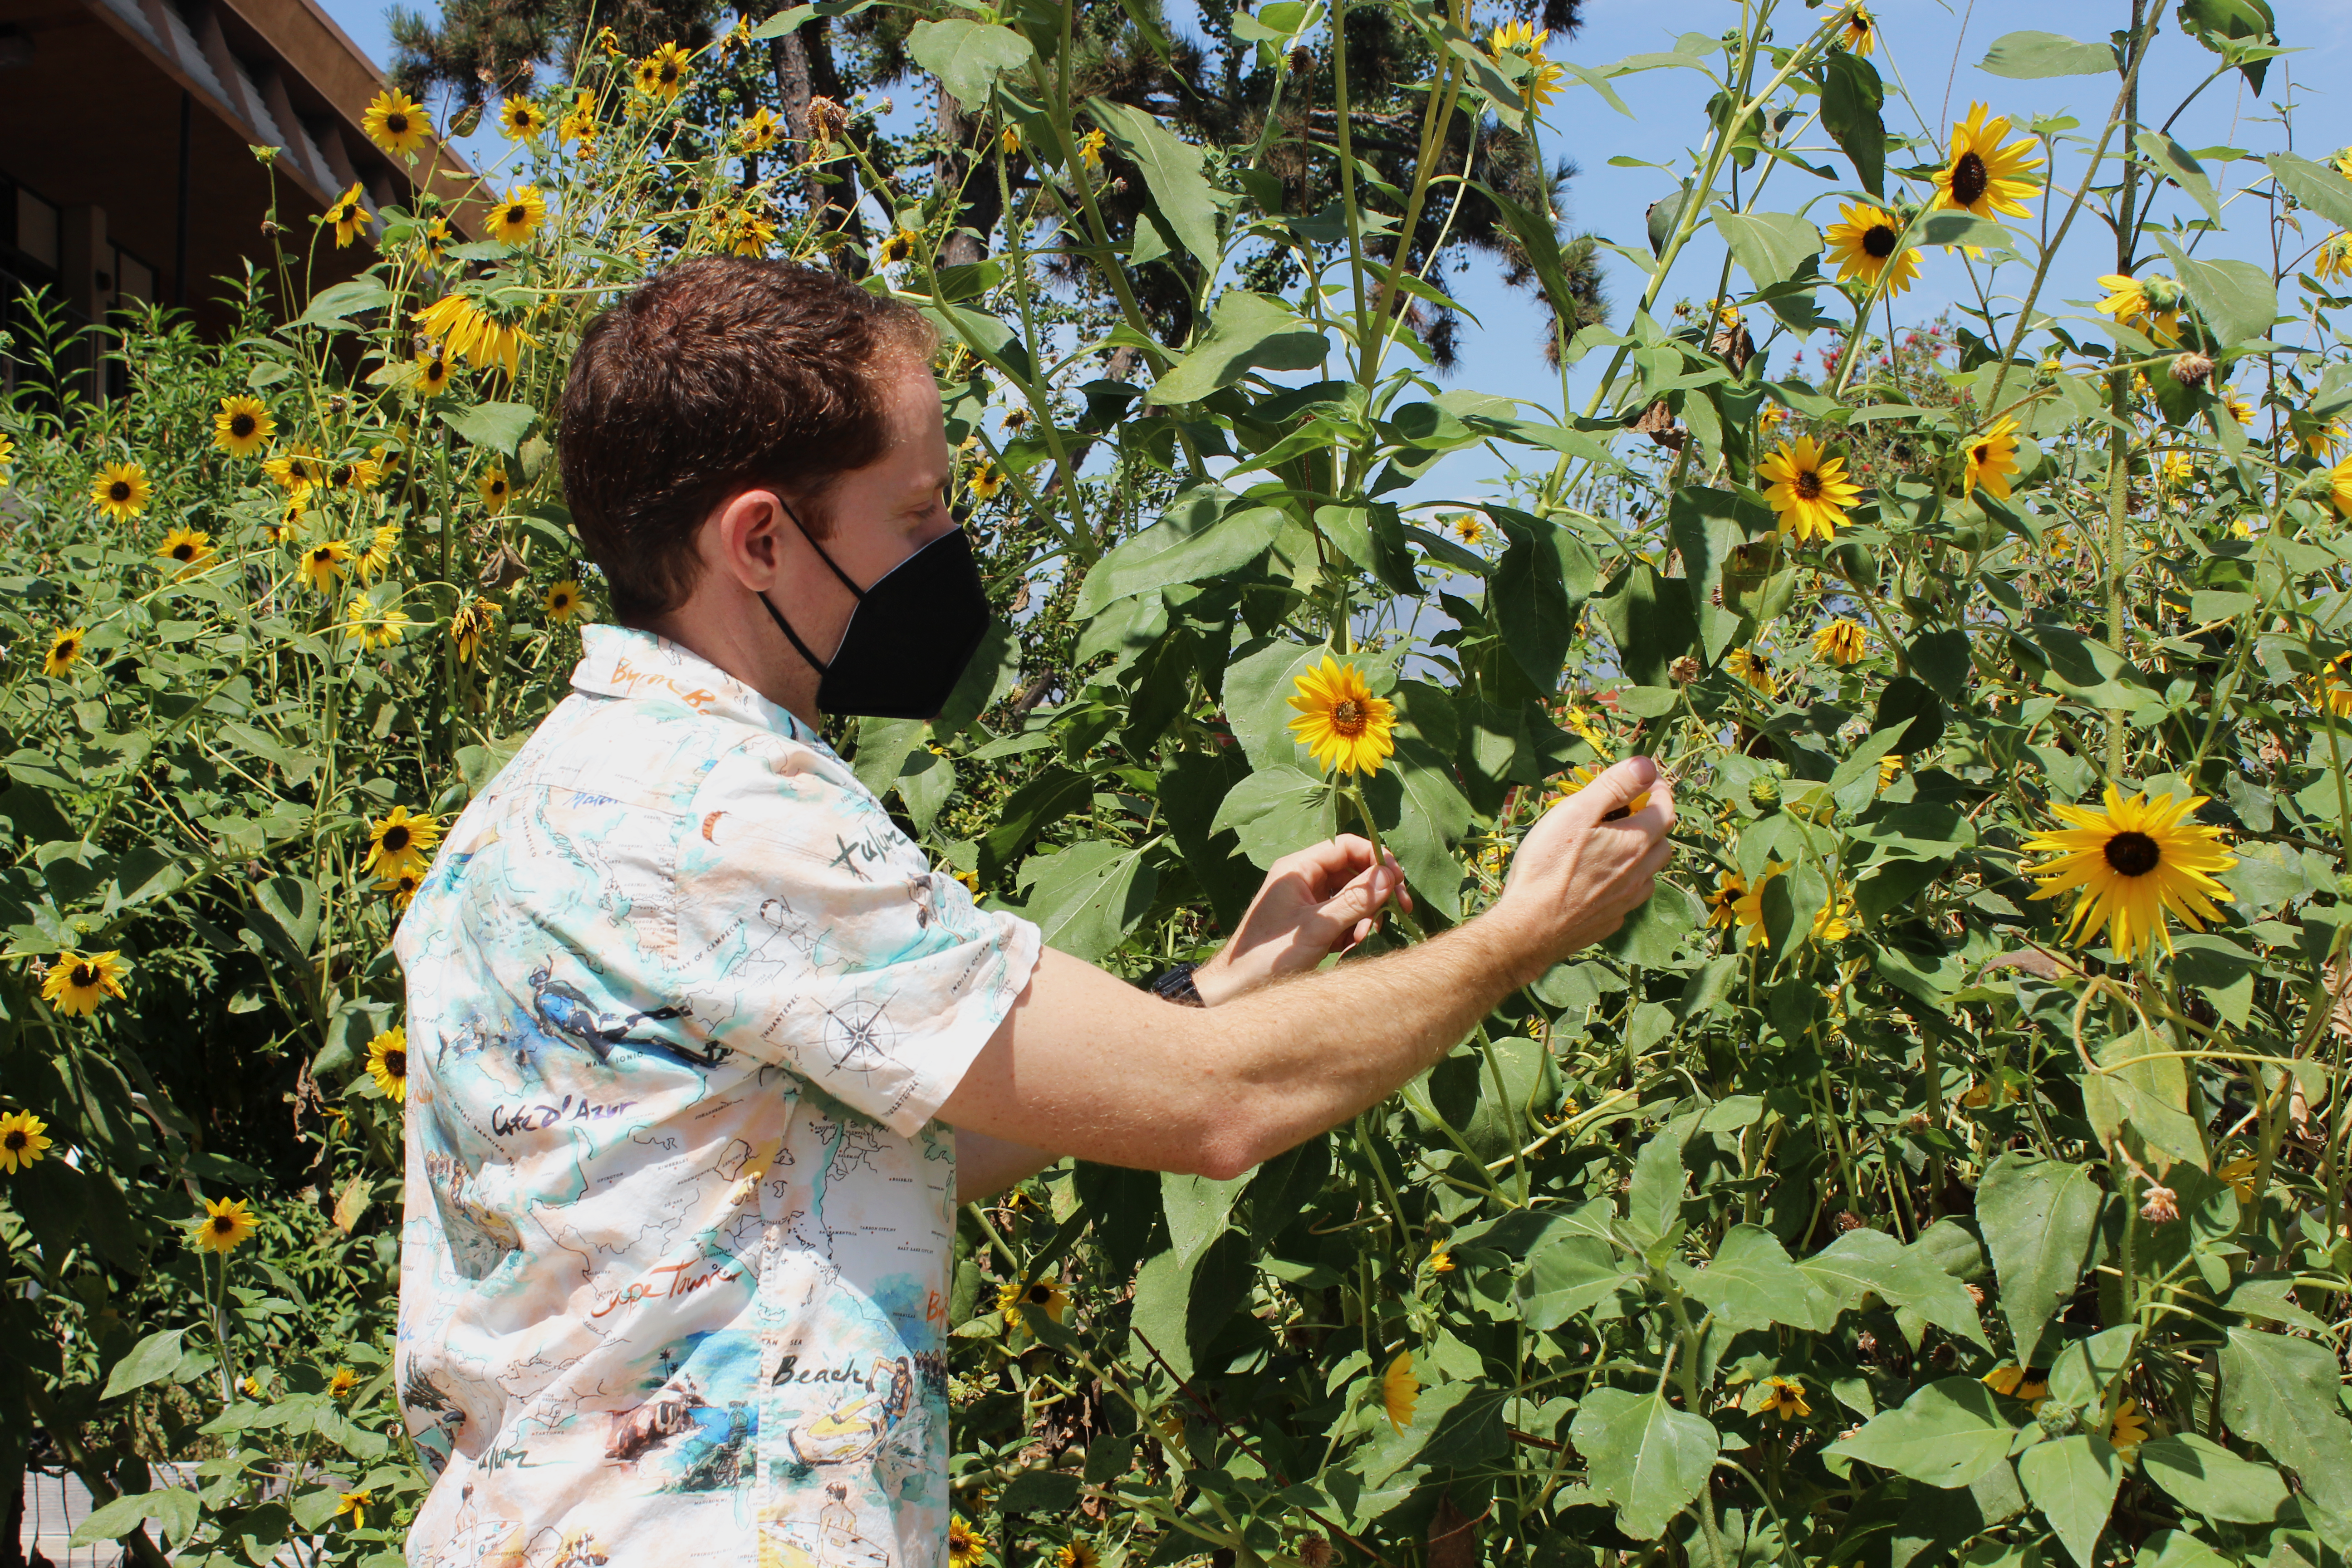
(151, 1360)
(1770, 246)
(1543, 576)
(1245, 330)
(2237, 298)
(335, 306)
(2024, 56)
(2219, 24)
(1656, 927)
(176, 1508)
(1045, 800)
(1910, 1277)
(1570, 1269)
(1947, 1434)
(968, 56)
(2204, 1476)
(1276, 811)
(1539, 238)
(1643, 1454)
(1086, 897)
(2038, 1217)
(1172, 172)
(1653, 1198)
(1258, 687)
(1750, 1283)
(2171, 160)
(1430, 816)
(1852, 95)
(1197, 1210)
(2315, 186)
(500, 426)
(2281, 1391)
(2150, 1096)
(1651, 621)
(2073, 1482)
(1041, 1491)
(1194, 541)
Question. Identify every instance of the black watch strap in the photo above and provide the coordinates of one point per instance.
(1176, 985)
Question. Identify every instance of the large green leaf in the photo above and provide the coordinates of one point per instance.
(1432, 815)
(1643, 1454)
(1570, 1269)
(2149, 1094)
(1276, 811)
(968, 56)
(2171, 160)
(2210, 1479)
(1258, 687)
(2238, 299)
(2038, 1217)
(1750, 1283)
(2315, 186)
(151, 1360)
(1086, 897)
(1870, 1261)
(2073, 1482)
(500, 426)
(1172, 172)
(334, 306)
(1651, 621)
(2027, 55)
(1656, 928)
(1247, 330)
(1947, 1434)
(2282, 1392)
(1653, 1198)
(1852, 95)
(1770, 246)
(1197, 1210)
(1196, 540)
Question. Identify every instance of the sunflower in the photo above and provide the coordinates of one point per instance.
(516, 214)
(1090, 149)
(2147, 305)
(496, 492)
(190, 547)
(355, 474)
(396, 122)
(1842, 642)
(76, 984)
(2180, 470)
(758, 133)
(397, 842)
(1982, 176)
(291, 520)
(1340, 721)
(348, 217)
(373, 628)
(1009, 140)
(121, 490)
(1807, 488)
(463, 329)
(2322, 440)
(356, 1504)
(435, 239)
(579, 125)
(2335, 257)
(1516, 38)
(1441, 1261)
(1468, 528)
(1865, 245)
(1044, 1296)
(469, 627)
(1859, 34)
(323, 564)
(428, 373)
(64, 651)
(2240, 1175)
(2239, 409)
(2013, 1381)
(1992, 459)
(376, 560)
(1723, 904)
(1784, 1397)
(402, 888)
(1079, 1553)
(2134, 863)
(342, 1384)
(1888, 766)
(966, 1546)
(387, 1063)
(2129, 1429)
(2339, 486)
(749, 234)
(226, 1223)
(1743, 663)
(563, 600)
(521, 119)
(243, 426)
(985, 481)
(662, 74)
(8, 455)
(898, 247)
(1400, 1391)
(297, 468)
(1834, 922)
(1748, 908)
(1543, 84)
(21, 1139)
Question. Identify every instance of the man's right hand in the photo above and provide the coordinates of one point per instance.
(1576, 875)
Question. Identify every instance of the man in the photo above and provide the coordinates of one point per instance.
(691, 1020)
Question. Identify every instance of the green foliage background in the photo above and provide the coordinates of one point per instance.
(1881, 1228)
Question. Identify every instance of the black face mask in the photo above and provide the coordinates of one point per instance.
(909, 639)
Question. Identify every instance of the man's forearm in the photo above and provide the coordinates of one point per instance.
(985, 1166)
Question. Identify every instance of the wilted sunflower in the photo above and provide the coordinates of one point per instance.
(1807, 488)
(190, 547)
(493, 485)
(516, 214)
(64, 651)
(243, 426)
(387, 1063)
(469, 627)
(226, 1223)
(22, 1140)
(758, 133)
(1340, 721)
(966, 1546)
(1784, 1397)
(121, 490)
(397, 842)
(749, 234)
(662, 74)
(1044, 1296)
(563, 600)
(2334, 260)
(341, 1386)
(76, 984)
(1400, 1391)
(324, 563)
(348, 217)
(396, 122)
(1982, 176)
(1859, 34)
(1867, 244)
(2147, 305)
(1842, 642)
(1992, 458)
(463, 329)
(373, 628)
(2134, 863)
(521, 119)
(1090, 149)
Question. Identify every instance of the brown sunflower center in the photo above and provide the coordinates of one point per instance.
(518, 213)
(242, 426)
(397, 1063)
(120, 491)
(1807, 484)
(395, 838)
(323, 556)
(2132, 854)
(341, 475)
(222, 1224)
(1969, 179)
(16, 1139)
(397, 125)
(1041, 1294)
(84, 977)
(1878, 239)
(1983, 453)
(666, 75)
(560, 599)
(1348, 717)
(184, 551)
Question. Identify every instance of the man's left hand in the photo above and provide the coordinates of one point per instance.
(1313, 903)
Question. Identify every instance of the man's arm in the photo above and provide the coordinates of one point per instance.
(1088, 1065)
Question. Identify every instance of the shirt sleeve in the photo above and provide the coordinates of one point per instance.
(814, 934)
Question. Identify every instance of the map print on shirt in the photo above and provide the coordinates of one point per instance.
(682, 1003)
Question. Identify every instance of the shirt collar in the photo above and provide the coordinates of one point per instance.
(622, 661)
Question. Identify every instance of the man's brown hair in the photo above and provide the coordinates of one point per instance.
(714, 376)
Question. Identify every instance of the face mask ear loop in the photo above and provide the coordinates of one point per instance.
(821, 555)
(820, 666)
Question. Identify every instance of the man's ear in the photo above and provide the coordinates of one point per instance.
(744, 539)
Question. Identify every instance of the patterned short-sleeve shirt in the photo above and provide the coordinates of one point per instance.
(682, 1003)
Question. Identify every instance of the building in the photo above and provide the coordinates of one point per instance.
(126, 135)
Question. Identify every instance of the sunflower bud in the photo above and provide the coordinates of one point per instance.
(1764, 794)
(2163, 293)
(2161, 1205)
(2192, 369)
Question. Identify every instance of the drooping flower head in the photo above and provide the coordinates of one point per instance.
(76, 984)
(1981, 175)
(2132, 865)
(1340, 721)
(396, 122)
(243, 426)
(463, 329)
(1807, 488)
(1842, 642)
(348, 216)
(2147, 305)
(1867, 243)
(1860, 33)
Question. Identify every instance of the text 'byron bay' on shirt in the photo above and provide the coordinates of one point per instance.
(682, 1003)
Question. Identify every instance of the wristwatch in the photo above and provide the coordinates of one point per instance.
(1176, 985)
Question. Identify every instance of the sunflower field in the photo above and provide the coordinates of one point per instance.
(1946, 1165)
